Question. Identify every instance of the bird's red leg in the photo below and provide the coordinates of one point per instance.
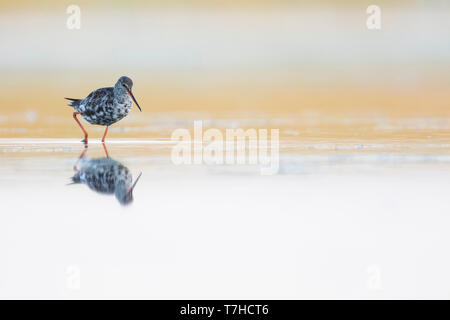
(84, 131)
(106, 150)
(104, 135)
(75, 167)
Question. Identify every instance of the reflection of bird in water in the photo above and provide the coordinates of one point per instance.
(105, 175)
(105, 106)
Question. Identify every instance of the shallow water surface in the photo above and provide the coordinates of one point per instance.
(341, 218)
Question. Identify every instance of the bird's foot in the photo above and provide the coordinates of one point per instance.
(106, 150)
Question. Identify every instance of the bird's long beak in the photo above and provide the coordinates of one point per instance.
(132, 97)
(134, 184)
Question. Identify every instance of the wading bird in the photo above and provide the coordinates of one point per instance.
(106, 176)
(105, 106)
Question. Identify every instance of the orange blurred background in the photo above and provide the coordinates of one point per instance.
(307, 65)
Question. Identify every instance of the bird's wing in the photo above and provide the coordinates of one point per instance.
(98, 95)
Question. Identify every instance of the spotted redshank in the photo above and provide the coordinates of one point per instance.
(106, 176)
(105, 106)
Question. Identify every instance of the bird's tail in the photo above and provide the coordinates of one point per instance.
(75, 179)
(73, 102)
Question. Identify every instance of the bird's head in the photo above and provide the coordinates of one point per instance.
(125, 83)
(125, 194)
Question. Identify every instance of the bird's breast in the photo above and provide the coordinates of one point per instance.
(121, 109)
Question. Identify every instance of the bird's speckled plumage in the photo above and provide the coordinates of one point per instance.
(106, 106)
(108, 176)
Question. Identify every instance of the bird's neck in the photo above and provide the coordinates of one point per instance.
(120, 94)
(119, 91)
